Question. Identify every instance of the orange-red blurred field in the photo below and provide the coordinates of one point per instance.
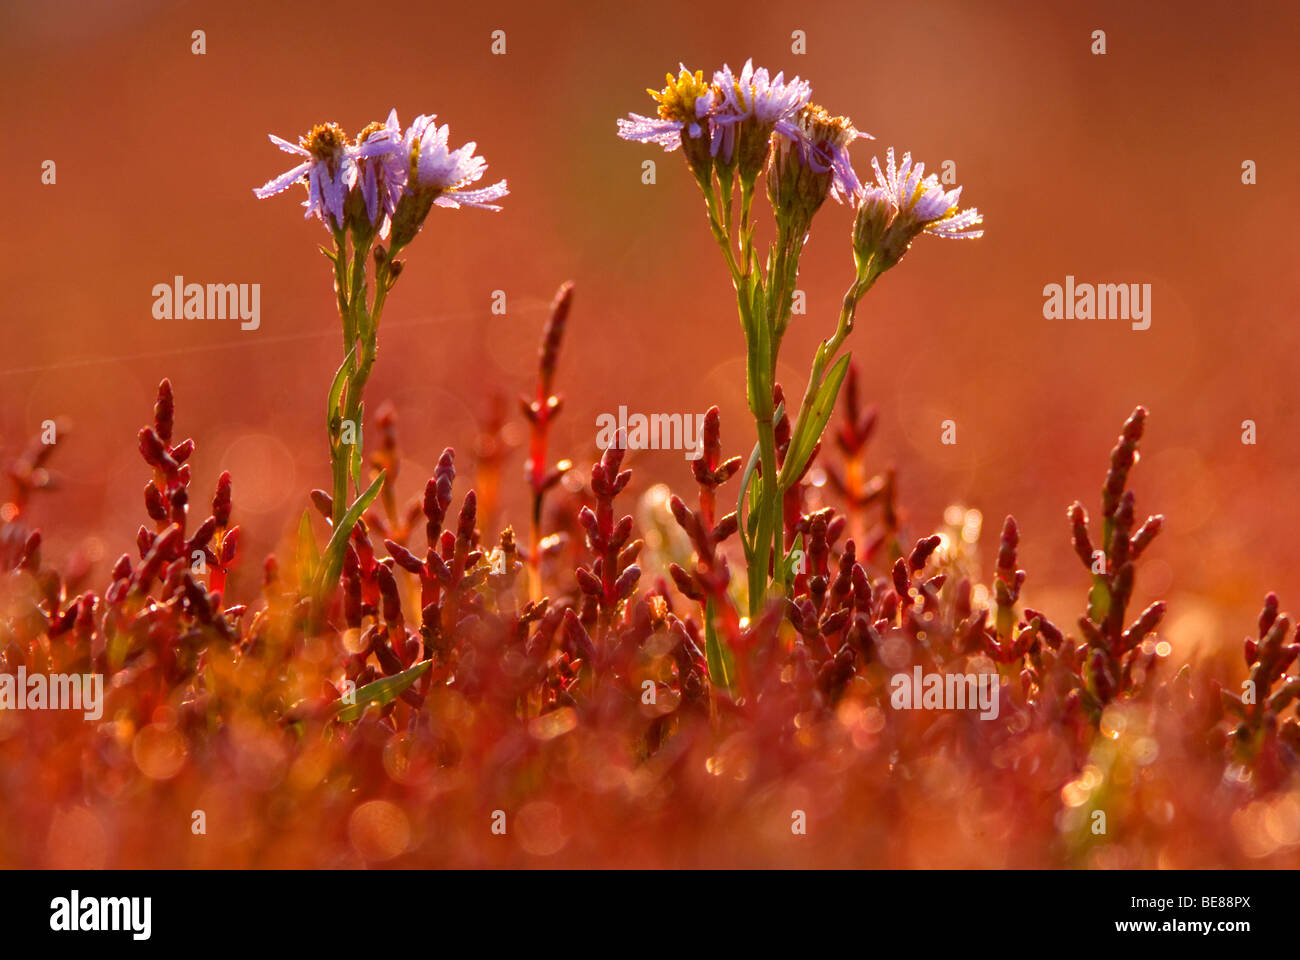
(1123, 167)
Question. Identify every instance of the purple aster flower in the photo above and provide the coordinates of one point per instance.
(750, 109)
(435, 167)
(436, 174)
(810, 164)
(664, 133)
(902, 203)
(770, 102)
(381, 170)
(329, 166)
(685, 105)
(876, 211)
(922, 203)
(823, 144)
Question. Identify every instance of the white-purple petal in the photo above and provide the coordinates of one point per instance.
(480, 198)
(288, 147)
(283, 182)
(665, 133)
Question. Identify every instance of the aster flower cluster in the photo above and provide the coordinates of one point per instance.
(381, 187)
(730, 130)
(899, 206)
(366, 182)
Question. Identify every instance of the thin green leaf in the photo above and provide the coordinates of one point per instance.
(755, 492)
(757, 569)
(748, 485)
(336, 388)
(333, 556)
(758, 305)
(795, 549)
(308, 552)
(810, 429)
(384, 690)
(741, 516)
(719, 676)
(355, 459)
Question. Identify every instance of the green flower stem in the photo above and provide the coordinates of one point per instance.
(770, 507)
(338, 458)
(724, 190)
(341, 288)
(826, 354)
(789, 248)
(721, 231)
(746, 239)
(361, 337)
(755, 306)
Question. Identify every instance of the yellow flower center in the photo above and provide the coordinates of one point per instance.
(325, 141)
(677, 100)
(370, 130)
(824, 129)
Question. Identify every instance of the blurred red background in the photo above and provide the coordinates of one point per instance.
(1117, 168)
